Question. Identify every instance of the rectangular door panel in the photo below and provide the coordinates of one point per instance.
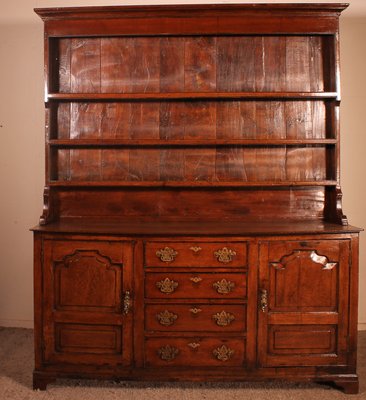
(303, 297)
(86, 283)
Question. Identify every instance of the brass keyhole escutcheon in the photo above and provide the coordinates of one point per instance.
(195, 279)
(194, 345)
(195, 311)
(264, 300)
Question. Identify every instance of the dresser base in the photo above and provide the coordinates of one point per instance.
(348, 383)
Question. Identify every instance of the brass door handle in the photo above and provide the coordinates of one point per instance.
(126, 302)
(264, 300)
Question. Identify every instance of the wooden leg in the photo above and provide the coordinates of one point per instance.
(40, 382)
(348, 386)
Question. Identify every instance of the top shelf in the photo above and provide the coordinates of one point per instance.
(191, 96)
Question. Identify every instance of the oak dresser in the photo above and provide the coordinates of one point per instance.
(192, 225)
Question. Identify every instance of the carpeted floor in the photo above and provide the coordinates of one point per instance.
(16, 365)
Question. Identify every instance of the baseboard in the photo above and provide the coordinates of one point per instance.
(17, 323)
(362, 326)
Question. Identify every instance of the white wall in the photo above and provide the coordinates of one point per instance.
(22, 137)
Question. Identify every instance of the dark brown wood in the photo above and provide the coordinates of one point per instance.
(200, 255)
(196, 285)
(192, 95)
(192, 226)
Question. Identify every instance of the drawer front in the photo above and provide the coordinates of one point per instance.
(192, 254)
(195, 352)
(195, 285)
(195, 317)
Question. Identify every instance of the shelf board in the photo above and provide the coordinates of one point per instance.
(190, 96)
(71, 143)
(189, 184)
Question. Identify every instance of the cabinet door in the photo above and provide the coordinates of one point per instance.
(303, 302)
(86, 285)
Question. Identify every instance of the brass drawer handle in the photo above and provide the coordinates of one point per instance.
(126, 302)
(195, 249)
(194, 345)
(225, 255)
(223, 318)
(223, 286)
(166, 318)
(168, 353)
(195, 279)
(166, 254)
(223, 353)
(195, 310)
(264, 300)
(167, 286)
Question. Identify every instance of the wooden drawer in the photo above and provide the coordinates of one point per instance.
(198, 285)
(195, 317)
(196, 254)
(194, 352)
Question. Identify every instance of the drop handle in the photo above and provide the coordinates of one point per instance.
(264, 300)
(126, 302)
